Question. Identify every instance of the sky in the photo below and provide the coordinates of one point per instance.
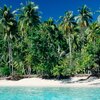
(56, 8)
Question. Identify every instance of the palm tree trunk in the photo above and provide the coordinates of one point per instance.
(83, 35)
(29, 70)
(10, 58)
(70, 49)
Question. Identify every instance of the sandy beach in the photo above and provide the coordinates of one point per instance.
(38, 82)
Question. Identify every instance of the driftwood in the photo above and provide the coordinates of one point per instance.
(88, 79)
(18, 77)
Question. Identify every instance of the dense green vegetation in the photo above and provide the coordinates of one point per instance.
(29, 46)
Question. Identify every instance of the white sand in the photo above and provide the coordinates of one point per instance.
(38, 82)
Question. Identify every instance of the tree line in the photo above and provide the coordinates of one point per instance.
(29, 46)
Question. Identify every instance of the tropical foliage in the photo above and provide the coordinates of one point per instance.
(29, 46)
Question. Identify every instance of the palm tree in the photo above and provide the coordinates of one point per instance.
(28, 16)
(93, 33)
(9, 26)
(84, 19)
(68, 23)
(93, 38)
(28, 19)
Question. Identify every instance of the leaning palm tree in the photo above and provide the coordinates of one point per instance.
(9, 30)
(68, 24)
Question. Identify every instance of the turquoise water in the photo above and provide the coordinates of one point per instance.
(25, 93)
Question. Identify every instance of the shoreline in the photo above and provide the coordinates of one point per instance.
(39, 82)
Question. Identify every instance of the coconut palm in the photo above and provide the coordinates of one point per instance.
(28, 16)
(85, 16)
(93, 32)
(9, 30)
(68, 24)
(83, 19)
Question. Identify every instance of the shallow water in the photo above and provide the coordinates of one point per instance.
(25, 93)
